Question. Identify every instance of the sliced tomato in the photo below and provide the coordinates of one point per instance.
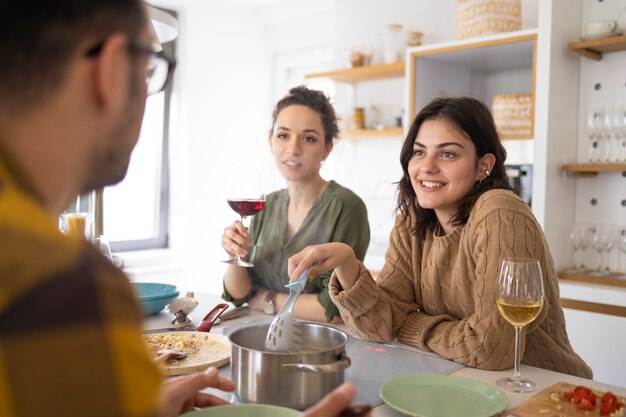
(585, 404)
(581, 392)
(606, 409)
(608, 397)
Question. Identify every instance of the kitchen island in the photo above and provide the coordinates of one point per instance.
(544, 378)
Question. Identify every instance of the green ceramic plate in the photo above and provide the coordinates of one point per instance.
(424, 395)
(244, 410)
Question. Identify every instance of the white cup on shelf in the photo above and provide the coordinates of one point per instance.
(598, 27)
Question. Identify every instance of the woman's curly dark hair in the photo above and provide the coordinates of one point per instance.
(474, 121)
(315, 100)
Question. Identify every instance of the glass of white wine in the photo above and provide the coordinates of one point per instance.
(519, 297)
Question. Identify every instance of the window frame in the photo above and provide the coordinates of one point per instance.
(161, 240)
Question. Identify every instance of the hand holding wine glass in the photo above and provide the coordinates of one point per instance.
(247, 199)
(519, 297)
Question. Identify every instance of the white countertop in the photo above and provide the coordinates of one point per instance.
(544, 378)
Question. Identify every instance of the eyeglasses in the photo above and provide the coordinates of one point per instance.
(160, 68)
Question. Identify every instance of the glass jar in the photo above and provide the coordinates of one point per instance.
(394, 43)
(358, 118)
(414, 38)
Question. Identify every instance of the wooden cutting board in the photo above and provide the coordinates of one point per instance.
(203, 350)
(541, 401)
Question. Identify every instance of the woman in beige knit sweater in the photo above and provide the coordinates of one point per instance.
(457, 219)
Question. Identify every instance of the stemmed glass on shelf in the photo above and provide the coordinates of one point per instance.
(621, 243)
(519, 297)
(617, 133)
(602, 240)
(247, 199)
(593, 129)
(607, 133)
(622, 144)
(580, 237)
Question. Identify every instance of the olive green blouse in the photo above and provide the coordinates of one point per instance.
(338, 215)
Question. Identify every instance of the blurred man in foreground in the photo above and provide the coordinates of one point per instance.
(74, 77)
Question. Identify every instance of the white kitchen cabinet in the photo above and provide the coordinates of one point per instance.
(596, 325)
(481, 67)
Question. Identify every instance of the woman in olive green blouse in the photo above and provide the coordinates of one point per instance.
(309, 211)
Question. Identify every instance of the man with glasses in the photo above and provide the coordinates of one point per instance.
(74, 77)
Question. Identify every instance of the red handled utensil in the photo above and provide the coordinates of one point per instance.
(208, 320)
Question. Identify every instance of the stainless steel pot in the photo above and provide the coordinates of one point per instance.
(295, 380)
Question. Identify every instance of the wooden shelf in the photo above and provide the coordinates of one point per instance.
(372, 133)
(594, 48)
(610, 280)
(591, 170)
(355, 75)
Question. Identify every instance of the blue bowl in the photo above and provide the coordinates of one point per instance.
(153, 297)
(155, 306)
(149, 291)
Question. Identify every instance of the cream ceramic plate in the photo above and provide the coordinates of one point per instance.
(244, 410)
(203, 350)
(425, 395)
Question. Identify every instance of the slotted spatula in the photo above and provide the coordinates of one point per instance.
(284, 333)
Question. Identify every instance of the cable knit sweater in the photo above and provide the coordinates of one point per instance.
(438, 294)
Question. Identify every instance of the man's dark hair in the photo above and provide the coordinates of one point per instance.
(473, 120)
(315, 100)
(39, 37)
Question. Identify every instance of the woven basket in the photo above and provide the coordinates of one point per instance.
(512, 114)
(484, 17)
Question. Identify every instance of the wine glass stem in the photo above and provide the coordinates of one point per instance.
(518, 353)
(237, 257)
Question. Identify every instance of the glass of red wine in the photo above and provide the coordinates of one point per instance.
(248, 199)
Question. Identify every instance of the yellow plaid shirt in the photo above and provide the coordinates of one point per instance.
(70, 336)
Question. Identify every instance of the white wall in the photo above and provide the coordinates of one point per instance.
(222, 98)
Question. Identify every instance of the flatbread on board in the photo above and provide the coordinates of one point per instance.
(203, 350)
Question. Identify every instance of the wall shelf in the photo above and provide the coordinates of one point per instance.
(594, 48)
(610, 280)
(592, 170)
(355, 75)
(475, 66)
(372, 133)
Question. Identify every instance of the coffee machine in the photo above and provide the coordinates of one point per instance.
(521, 178)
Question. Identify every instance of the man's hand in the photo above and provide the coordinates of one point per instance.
(180, 395)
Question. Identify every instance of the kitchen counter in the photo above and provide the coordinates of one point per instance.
(542, 377)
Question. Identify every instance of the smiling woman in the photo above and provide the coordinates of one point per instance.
(457, 219)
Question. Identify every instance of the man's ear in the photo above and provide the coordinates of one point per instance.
(112, 74)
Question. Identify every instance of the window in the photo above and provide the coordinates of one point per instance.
(136, 211)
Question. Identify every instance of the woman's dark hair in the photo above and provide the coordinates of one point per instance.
(474, 121)
(39, 37)
(315, 100)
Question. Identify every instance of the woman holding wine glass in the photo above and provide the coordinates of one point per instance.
(457, 220)
(309, 211)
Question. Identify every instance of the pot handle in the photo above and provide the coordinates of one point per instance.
(327, 368)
